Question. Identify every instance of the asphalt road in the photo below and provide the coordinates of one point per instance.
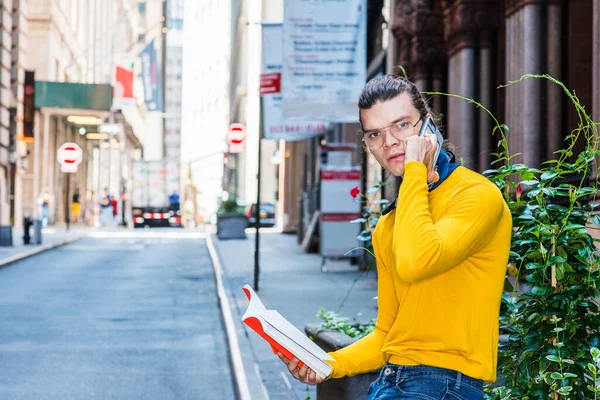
(128, 316)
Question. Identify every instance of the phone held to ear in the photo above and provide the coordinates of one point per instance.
(429, 127)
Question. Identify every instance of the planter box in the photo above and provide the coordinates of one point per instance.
(348, 388)
(231, 226)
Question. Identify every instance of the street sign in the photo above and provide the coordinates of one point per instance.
(69, 155)
(236, 134)
(270, 83)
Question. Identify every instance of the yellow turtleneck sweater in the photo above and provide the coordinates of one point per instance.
(441, 264)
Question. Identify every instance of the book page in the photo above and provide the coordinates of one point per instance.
(278, 322)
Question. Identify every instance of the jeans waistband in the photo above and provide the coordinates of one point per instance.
(394, 373)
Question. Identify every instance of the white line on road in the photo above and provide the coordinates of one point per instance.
(234, 347)
(287, 383)
(262, 383)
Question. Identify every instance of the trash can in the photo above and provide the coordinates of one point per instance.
(6, 235)
(37, 231)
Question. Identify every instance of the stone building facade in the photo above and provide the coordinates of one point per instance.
(471, 47)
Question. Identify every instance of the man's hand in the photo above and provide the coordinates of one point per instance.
(304, 374)
(422, 149)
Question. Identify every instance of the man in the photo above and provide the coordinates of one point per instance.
(442, 249)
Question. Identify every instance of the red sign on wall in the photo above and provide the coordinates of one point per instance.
(270, 83)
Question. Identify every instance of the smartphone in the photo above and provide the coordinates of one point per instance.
(429, 127)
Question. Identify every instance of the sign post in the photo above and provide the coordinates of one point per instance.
(69, 155)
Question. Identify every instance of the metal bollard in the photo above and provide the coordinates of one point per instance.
(37, 231)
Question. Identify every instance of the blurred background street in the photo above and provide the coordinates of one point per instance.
(114, 316)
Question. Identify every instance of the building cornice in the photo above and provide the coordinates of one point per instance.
(466, 20)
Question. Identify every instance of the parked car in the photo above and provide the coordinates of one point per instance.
(267, 215)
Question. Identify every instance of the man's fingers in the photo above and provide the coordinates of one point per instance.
(292, 366)
(303, 373)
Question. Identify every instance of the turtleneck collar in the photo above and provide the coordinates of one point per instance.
(445, 166)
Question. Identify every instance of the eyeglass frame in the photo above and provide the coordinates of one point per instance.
(385, 130)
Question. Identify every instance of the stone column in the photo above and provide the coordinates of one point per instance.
(519, 100)
(438, 81)
(511, 94)
(466, 111)
(465, 20)
(554, 94)
(531, 116)
(485, 98)
(453, 127)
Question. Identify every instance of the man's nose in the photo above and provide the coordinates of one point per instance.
(390, 140)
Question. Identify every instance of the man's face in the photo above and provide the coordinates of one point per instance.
(388, 124)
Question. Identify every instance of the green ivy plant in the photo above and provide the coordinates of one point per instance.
(552, 318)
(332, 321)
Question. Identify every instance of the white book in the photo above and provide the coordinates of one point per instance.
(283, 336)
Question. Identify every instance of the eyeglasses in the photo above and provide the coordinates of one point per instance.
(375, 139)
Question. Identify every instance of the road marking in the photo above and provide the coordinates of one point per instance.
(260, 380)
(287, 382)
(234, 347)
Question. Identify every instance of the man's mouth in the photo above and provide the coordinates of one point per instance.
(397, 156)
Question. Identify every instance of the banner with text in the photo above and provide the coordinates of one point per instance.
(324, 53)
(151, 78)
(275, 126)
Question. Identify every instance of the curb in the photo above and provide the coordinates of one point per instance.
(33, 252)
(235, 355)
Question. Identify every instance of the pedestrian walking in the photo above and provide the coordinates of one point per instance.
(76, 206)
(114, 208)
(106, 210)
(442, 249)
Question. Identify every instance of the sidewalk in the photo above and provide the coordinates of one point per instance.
(51, 237)
(291, 282)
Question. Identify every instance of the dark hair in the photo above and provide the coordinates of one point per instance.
(387, 87)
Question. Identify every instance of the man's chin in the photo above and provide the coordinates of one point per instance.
(396, 171)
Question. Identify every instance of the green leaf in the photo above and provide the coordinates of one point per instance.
(357, 220)
(569, 375)
(364, 236)
(490, 171)
(508, 287)
(556, 375)
(561, 252)
(548, 175)
(556, 260)
(593, 369)
(565, 390)
(570, 227)
(381, 201)
(553, 358)
(566, 360)
(595, 352)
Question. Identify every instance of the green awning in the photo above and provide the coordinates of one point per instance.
(82, 96)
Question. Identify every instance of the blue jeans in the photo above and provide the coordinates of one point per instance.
(399, 382)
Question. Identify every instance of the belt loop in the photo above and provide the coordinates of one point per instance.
(398, 374)
(458, 380)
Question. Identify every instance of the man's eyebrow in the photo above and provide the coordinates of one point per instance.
(391, 123)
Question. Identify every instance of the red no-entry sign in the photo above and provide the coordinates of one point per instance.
(69, 155)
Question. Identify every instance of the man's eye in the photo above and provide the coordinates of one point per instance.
(402, 125)
(373, 135)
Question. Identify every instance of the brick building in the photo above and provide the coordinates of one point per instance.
(470, 47)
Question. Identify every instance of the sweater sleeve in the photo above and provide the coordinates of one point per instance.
(365, 355)
(431, 249)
